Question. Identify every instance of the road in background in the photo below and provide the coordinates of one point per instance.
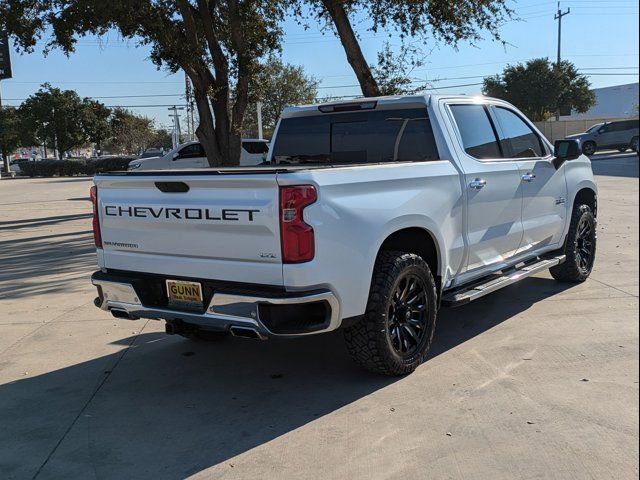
(539, 380)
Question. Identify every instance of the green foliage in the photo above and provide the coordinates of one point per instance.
(393, 71)
(161, 139)
(540, 88)
(130, 133)
(277, 85)
(53, 117)
(217, 43)
(95, 122)
(9, 130)
(450, 22)
(68, 168)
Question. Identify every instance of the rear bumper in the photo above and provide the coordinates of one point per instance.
(270, 314)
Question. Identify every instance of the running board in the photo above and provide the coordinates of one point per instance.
(487, 285)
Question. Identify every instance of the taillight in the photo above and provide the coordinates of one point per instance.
(97, 237)
(296, 237)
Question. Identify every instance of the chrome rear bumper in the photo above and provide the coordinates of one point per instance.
(225, 311)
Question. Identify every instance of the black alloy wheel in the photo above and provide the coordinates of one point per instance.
(407, 317)
(584, 243)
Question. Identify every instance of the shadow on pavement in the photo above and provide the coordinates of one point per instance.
(41, 222)
(622, 165)
(168, 408)
(28, 264)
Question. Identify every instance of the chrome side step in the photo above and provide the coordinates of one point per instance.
(487, 285)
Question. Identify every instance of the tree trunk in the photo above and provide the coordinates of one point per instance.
(352, 48)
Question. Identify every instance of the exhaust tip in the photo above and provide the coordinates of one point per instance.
(119, 313)
(246, 332)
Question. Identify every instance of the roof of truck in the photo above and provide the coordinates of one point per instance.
(389, 101)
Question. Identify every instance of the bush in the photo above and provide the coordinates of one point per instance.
(69, 168)
(108, 164)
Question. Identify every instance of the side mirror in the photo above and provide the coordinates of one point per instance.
(601, 130)
(565, 150)
(175, 156)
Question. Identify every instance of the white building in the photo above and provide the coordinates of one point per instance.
(612, 102)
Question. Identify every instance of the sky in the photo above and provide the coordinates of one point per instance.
(599, 36)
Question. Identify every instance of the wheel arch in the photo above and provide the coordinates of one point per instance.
(586, 196)
(420, 241)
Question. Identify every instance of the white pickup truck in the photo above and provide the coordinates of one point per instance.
(371, 216)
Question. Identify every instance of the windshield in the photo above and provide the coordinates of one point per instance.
(594, 127)
(360, 137)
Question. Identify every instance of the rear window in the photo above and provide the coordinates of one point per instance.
(359, 137)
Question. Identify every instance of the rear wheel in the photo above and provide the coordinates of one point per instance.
(589, 148)
(395, 334)
(580, 247)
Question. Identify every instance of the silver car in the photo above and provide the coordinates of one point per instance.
(621, 135)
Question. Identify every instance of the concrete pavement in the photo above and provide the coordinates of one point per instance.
(539, 380)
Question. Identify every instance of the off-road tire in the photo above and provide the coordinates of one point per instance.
(368, 341)
(570, 270)
(589, 148)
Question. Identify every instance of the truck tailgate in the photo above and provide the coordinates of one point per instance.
(218, 226)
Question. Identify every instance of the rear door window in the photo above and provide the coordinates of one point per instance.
(192, 151)
(479, 138)
(518, 139)
(356, 137)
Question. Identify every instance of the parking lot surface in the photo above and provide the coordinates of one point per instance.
(539, 380)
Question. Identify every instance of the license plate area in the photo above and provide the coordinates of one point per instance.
(184, 294)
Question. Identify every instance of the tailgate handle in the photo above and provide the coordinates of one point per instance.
(172, 187)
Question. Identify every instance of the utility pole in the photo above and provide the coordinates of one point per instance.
(188, 93)
(558, 16)
(176, 125)
(259, 113)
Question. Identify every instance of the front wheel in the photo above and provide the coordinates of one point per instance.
(589, 148)
(634, 144)
(395, 333)
(580, 247)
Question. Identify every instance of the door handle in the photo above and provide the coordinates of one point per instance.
(528, 177)
(477, 184)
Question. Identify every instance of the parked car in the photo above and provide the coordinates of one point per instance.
(371, 215)
(152, 153)
(14, 165)
(191, 155)
(621, 135)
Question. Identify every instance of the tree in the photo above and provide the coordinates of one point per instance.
(278, 85)
(161, 139)
(95, 122)
(54, 118)
(130, 133)
(448, 21)
(540, 88)
(9, 132)
(217, 43)
(393, 71)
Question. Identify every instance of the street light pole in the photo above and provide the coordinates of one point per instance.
(176, 125)
(558, 16)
